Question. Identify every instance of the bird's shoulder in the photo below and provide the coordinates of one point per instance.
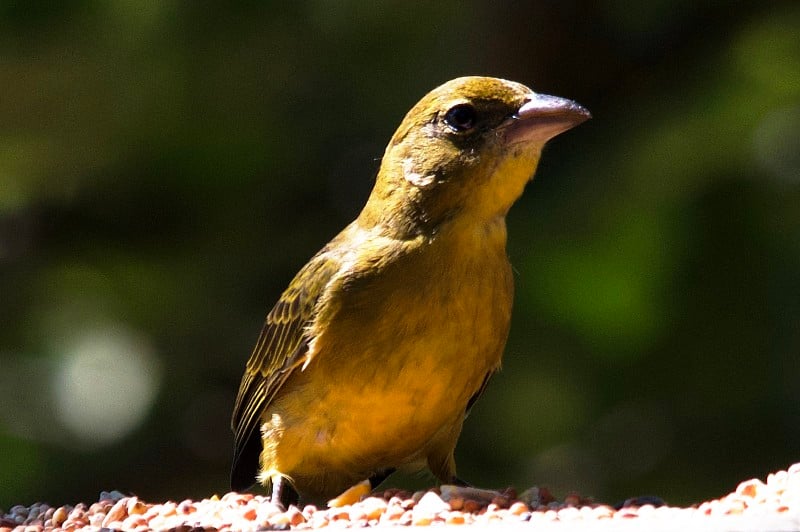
(354, 254)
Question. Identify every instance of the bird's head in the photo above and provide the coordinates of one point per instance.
(466, 149)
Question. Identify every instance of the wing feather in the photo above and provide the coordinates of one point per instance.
(281, 347)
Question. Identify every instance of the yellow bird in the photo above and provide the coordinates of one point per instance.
(375, 352)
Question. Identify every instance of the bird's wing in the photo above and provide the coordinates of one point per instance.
(281, 347)
(477, 395)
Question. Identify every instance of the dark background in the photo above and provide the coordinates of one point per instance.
(166, 168)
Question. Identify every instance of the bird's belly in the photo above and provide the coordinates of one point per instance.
(379, 408)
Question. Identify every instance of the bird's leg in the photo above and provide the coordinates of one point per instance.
(283, 494)
(277, 487)
(380, 476)
(455, 481)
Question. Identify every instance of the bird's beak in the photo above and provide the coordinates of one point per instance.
(542, 117)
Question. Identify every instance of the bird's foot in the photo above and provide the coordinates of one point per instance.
(465, 491)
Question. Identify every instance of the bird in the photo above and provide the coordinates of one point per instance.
(373, 356)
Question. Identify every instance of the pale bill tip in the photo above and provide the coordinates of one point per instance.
(543, 104)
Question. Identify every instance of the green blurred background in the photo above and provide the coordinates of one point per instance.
(166, 167)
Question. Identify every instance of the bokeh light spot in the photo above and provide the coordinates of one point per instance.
(776, 144)
(104, 385)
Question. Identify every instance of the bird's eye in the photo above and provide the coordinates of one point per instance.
(461, 117)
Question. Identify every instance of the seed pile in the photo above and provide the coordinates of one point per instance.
(754, 505)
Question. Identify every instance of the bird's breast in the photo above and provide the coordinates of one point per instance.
(441, 305)
(401, 351)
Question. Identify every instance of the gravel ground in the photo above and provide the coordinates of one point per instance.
(754, 505)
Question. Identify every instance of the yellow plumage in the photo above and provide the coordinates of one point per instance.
(373, 354)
